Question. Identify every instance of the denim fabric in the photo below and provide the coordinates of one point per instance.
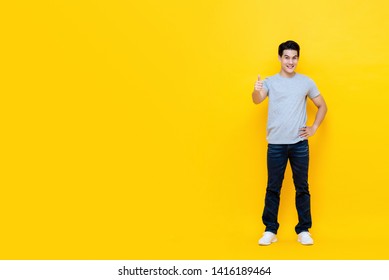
(277, 159)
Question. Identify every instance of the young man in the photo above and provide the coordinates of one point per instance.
(287, 136)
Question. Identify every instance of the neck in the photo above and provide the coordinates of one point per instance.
(287, 75)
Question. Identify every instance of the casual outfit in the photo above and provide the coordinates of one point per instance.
(286, 116)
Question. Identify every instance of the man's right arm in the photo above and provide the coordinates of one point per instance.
(259, 94)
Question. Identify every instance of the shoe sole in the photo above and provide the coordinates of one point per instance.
(267, 244)
(306, 244)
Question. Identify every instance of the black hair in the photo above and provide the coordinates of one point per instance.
(289, 45)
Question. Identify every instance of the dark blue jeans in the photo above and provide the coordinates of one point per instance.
(277, 159)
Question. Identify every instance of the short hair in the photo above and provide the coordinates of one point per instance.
(288, 45)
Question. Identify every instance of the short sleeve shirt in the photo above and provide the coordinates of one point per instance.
(287, 112)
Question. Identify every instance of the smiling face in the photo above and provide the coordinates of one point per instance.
(289, 60)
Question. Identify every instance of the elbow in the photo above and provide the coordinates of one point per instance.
(325, 108)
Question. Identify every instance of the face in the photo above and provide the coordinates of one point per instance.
(289, 60)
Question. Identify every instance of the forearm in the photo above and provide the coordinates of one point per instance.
(320, 115)
(258, 96)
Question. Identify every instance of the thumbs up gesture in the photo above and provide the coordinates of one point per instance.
(258, 84)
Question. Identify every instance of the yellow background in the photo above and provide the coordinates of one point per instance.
(128, 130)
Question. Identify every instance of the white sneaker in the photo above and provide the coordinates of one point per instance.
(305, 238)
(267, 238)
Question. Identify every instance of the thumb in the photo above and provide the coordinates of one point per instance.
(259, 77)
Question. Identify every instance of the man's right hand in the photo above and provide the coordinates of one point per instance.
(259, 93)
(258, 84)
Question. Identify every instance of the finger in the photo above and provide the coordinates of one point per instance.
(259, 77)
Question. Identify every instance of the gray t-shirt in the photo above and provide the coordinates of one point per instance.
(287, 106)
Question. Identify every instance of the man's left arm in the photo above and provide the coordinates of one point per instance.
(321, 105)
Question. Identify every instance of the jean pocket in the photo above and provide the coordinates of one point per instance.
(301, 149)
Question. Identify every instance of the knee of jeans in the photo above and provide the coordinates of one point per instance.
(273, 189)
(302, 191)
(301, 186)
(300, 183)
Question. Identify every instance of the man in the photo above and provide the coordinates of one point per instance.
(287, 136)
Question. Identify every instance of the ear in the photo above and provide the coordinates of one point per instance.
(279, 58)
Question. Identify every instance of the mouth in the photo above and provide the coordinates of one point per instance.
(290, 66)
